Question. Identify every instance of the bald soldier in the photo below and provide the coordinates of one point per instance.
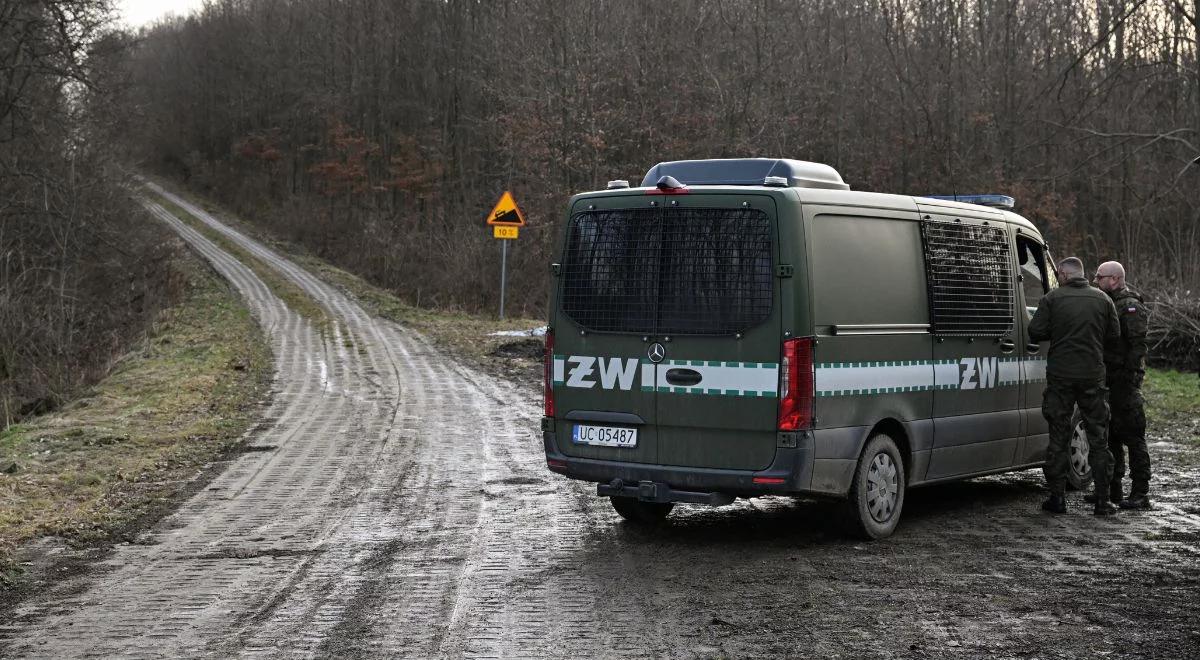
(1077, 319)
(1125, 364)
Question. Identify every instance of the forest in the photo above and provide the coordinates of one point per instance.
(82, 272)
(378, 133)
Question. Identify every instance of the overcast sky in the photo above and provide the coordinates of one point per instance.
(136, 13)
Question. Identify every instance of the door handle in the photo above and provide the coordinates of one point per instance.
(1032, 347)
(684, 377)
(1007, 345)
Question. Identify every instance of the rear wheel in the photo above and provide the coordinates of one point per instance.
(639, 512)
(877, 491)
(1079, 470)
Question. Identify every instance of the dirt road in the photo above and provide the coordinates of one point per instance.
(396, 503)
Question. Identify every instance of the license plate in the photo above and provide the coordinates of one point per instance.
(604, 436)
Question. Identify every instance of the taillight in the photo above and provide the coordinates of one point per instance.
(796, 385)
(548, 373)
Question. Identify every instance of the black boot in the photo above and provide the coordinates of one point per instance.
(1056, 504)
(1113, 496)
(1105, 509)
(1136, 501)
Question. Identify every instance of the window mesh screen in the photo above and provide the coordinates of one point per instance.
(970, 279)
(668, 271)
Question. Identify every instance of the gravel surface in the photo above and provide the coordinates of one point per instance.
(396, 503)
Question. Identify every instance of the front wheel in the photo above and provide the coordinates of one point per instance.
(639, 512)
(1079, 469)
(877, 491)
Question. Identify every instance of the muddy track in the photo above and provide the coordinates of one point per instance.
(397, 504)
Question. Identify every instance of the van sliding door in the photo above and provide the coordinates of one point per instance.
(977, 367)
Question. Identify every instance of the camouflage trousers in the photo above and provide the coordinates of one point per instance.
(1058, 405)
(1127, 430)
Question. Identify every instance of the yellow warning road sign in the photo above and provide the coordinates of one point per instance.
(506, 213)
(505, 232)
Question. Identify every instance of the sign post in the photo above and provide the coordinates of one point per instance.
(506, 220)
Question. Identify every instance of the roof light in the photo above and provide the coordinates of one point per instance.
(994, 201)
(777, 181)
(618, 183)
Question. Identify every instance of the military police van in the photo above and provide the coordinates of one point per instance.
(747, 327)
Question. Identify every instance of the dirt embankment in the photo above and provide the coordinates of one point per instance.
(123, 455)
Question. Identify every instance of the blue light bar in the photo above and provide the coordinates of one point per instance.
(995, 201)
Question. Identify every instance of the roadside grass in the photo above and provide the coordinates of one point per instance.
(283, 288)
(1173, 405)
(466, 336)
(462, 334)
(118, 457)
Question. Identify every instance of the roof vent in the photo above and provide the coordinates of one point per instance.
(747, 172)
(617, 183)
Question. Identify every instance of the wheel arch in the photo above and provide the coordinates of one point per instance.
(896, 431)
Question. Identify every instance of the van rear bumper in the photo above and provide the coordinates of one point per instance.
(790, 472)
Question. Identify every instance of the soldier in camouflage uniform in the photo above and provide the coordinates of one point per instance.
(1125, 363)
(1077, 319)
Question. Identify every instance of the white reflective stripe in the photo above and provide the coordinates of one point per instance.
(1033, 369)
(946, 374)
(559, 370)
(1010, 371)
(842, 379)
(755, 379)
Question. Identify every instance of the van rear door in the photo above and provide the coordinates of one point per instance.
(605, 309)
(666, 323)
(719, 323)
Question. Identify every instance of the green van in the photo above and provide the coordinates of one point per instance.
(747, 327)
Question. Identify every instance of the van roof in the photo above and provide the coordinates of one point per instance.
(912, 203)
(747, 172)
(857, 198)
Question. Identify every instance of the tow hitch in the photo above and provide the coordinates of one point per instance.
(652, 491)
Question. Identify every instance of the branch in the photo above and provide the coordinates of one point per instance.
(1101, 39)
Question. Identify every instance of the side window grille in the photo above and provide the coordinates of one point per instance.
(668, 271)
(970, 279)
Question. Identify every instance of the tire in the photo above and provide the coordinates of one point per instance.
(639, 512)
(877, 490)
(1079, 471)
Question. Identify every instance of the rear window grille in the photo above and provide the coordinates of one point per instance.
(668, 271)
(970, 279)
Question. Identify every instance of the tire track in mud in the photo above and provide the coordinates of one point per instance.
(393, 500)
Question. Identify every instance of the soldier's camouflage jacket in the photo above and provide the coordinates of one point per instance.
(1125, 357)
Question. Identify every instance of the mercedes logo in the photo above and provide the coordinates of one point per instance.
(656, 353)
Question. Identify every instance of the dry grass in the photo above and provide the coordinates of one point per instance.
(125, 450)
(283, 288)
